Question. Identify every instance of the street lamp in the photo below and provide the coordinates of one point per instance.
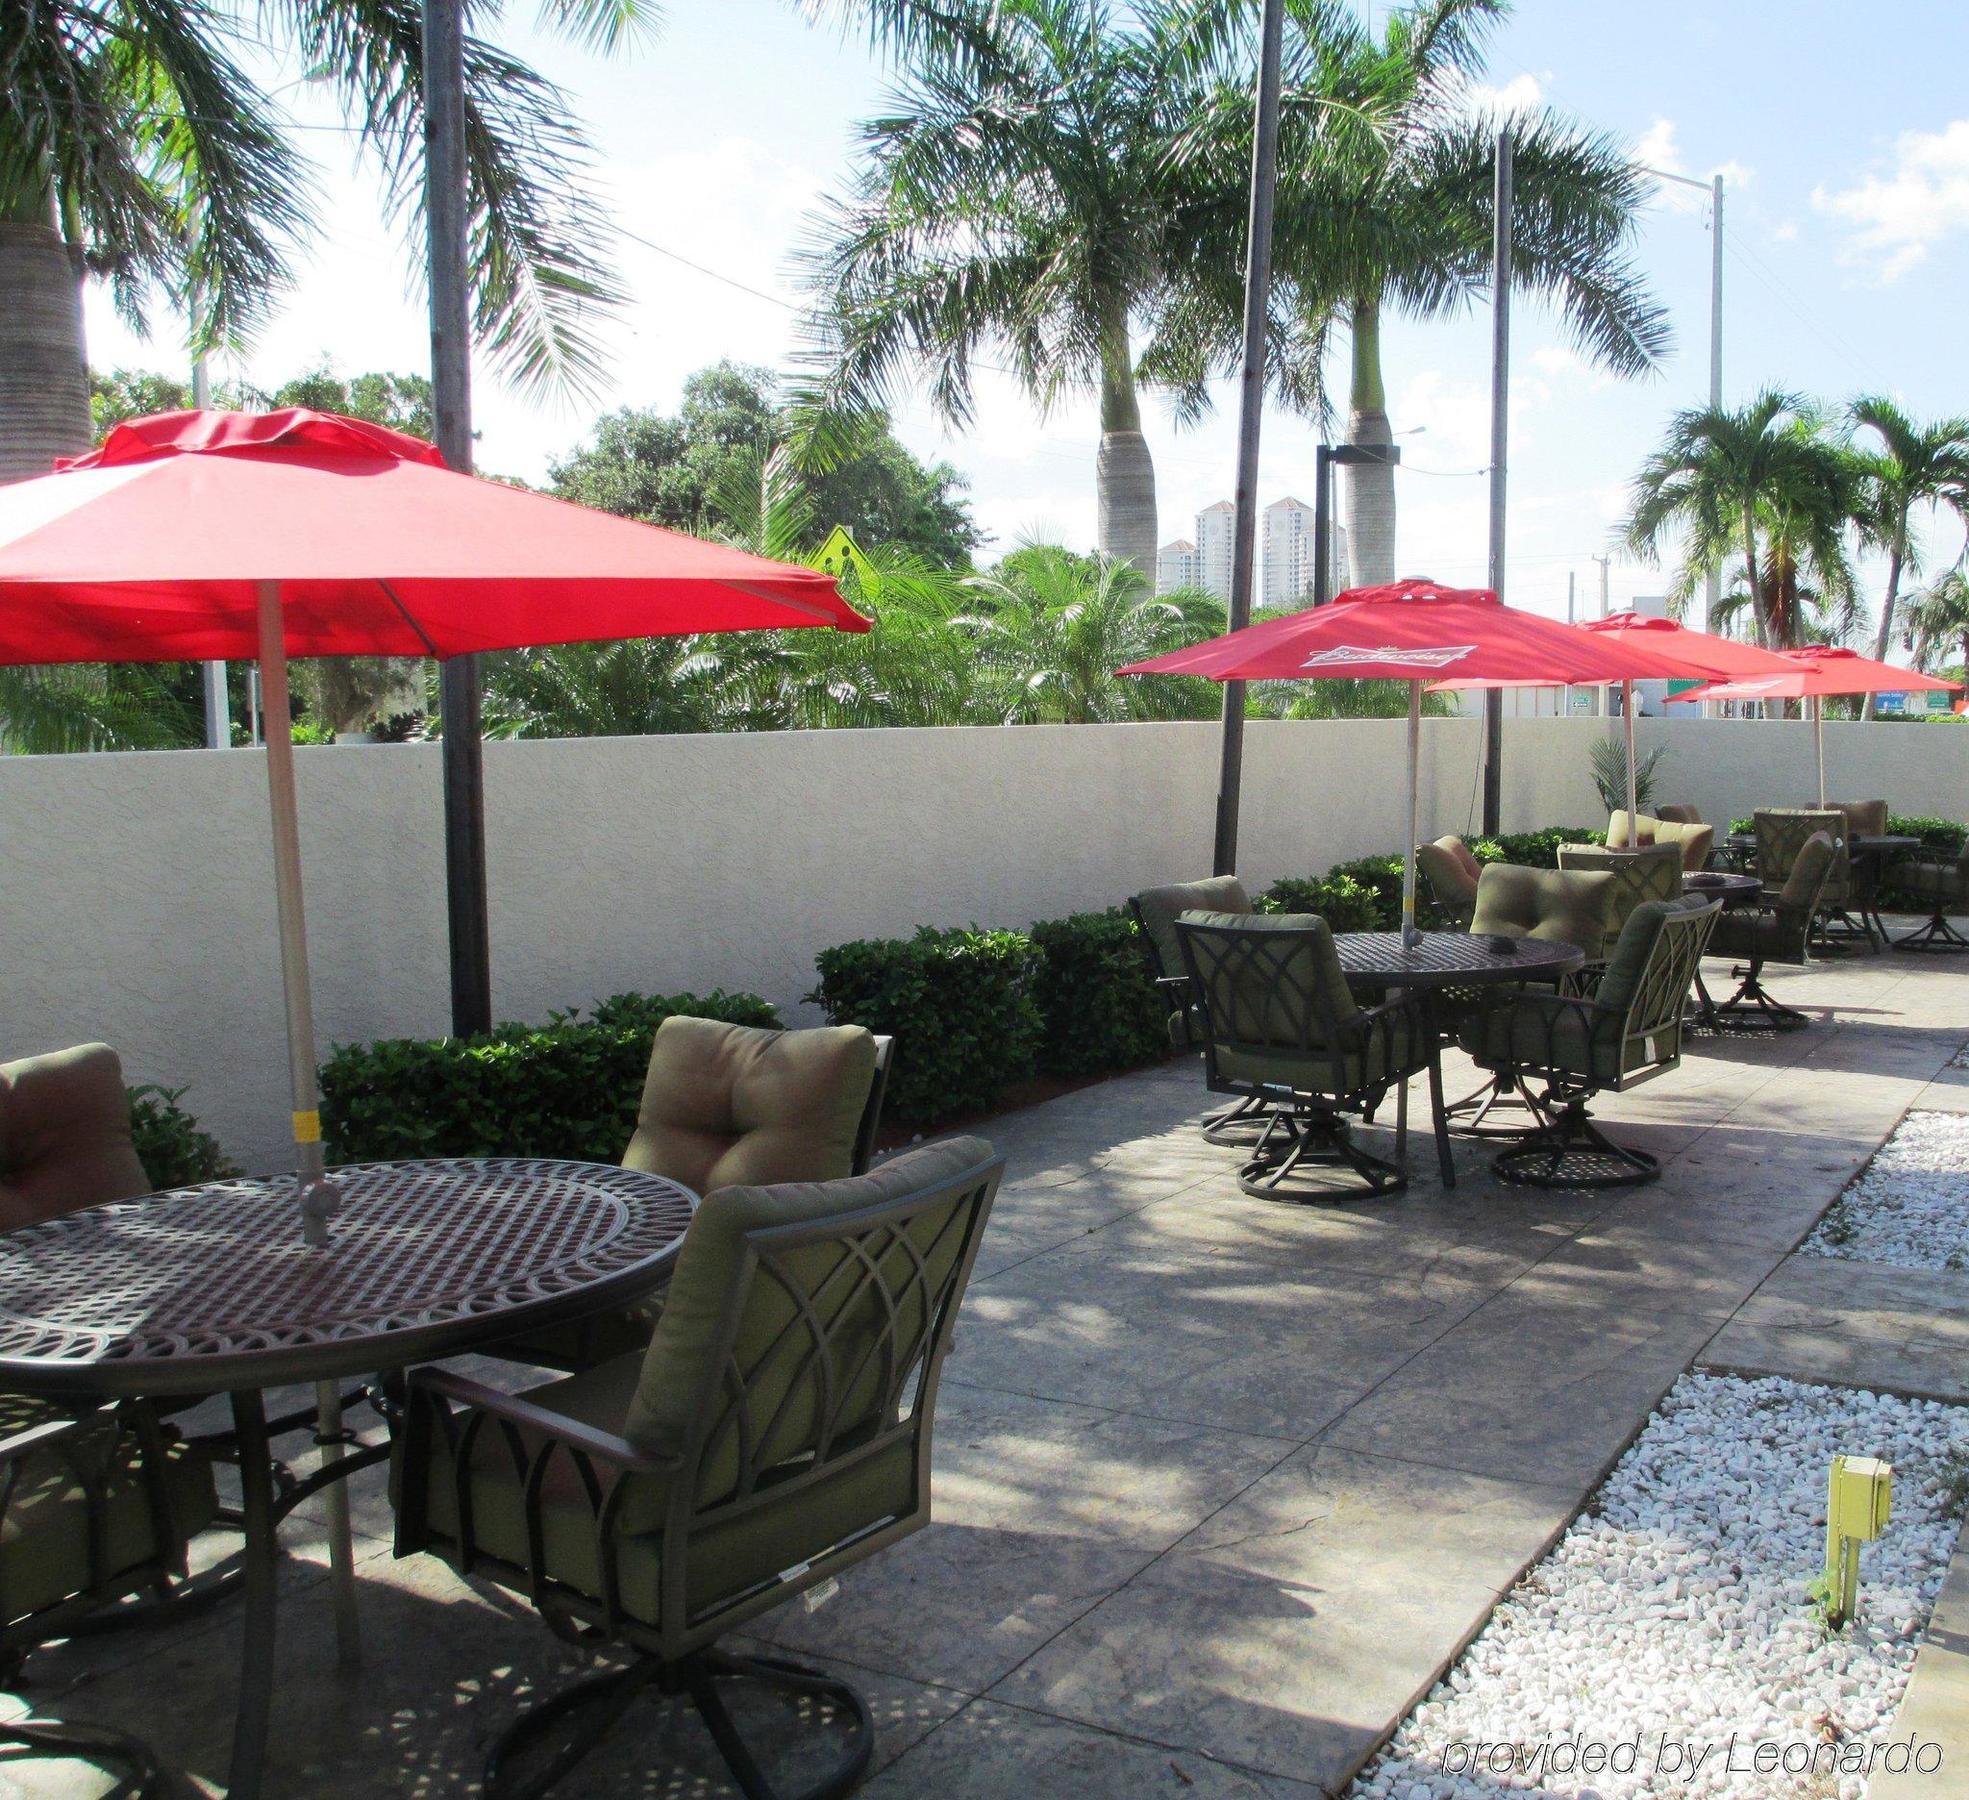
(1324, 457)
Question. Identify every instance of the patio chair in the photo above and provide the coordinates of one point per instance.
(775, 1430)
(1678, 813)
(1156, 911)
(65, 1135)
(1561, 906)
(1452, 873)
(1782, 832)
(1778, 931)
(1945, 886)
(1629, 1030)
(1651, 872)
(1695, 839)
(725, 1105)
(96, 1504)
(1281, 1025)
(1864, 818)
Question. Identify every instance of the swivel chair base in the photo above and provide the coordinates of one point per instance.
(1570, 1151)
(1753, 1007)
(1297, 1143)
(1938, 937)
(1238, 1127)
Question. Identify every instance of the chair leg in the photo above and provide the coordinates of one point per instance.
(610, 1696)
(1570, 1151)
(1753, 1007)
(1237, 1127)
(1297, 1141)
(1439, 1120)
(1939, 936)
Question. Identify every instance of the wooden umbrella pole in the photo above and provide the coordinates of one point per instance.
(317, 1192)
(1409, 932)
(1633, 781)
(1818, 739)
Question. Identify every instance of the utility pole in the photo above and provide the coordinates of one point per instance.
(451, 392)
(1251, 402)
(212, 675)
(1500, 402)
(1600, 692)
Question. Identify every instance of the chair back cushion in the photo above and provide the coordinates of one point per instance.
(1267, 981)
(1649, 872)
(1696, 841)
(766, 1355)
(1565, 906)
(1159, 908)
(1623, 827)
(1675, 813)
(1783, 831)
(1451, 871)
(1864, 818)
(1805, 885)
(725, 1104)
(1642, 995)
(65, 1135)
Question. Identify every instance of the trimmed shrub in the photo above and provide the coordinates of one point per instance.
(568, 1088)
(1534, 849)
(959, 1005)
(1096, 995)
(1343, 902)
(174, 1150)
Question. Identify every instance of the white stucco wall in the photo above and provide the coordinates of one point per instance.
(136, 900)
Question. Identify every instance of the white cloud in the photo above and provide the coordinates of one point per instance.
(1522, 93)
(1900, 216)
(1657, 149)
(1785, 233)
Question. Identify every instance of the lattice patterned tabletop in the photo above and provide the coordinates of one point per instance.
(211, 1286)
(1451, 959)
(1721, 884)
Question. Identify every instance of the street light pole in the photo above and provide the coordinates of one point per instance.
(212, 675)
(1257, 308)
(1500, 411)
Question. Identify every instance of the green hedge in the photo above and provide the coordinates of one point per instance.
(959, 1004)
(1343, 902)
(568, 1088)
(1096, 995)
(174, 1150)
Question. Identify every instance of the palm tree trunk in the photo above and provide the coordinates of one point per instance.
(1370, 487)
(1124, 473)
(44, 378)
(1896, 558)
(1757, 614)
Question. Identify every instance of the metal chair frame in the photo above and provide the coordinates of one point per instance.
(1568, 1149)
(1753, 1007)
(1307, 1127)
(877, 1258)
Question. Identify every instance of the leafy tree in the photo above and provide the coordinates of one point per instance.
(1941, 617)
(92, 706)
(134, 145)
(402, 402)
(680, 471)
(1766, 491)
(1915, 465)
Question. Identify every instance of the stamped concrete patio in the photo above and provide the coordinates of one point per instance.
(1223, 1484)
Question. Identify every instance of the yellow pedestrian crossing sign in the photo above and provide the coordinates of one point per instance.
(840, 553)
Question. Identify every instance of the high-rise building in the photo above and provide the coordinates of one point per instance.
(1289, 561)
(1175, 566)
(1214, 528)
(1336, 557)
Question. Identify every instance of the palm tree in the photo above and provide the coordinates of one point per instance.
(1014, 200)
(1941, 616)
(133, 146)
(1766, 489)
(1052, 627)
(117, 706)
(1385, 204)
(1916, 465)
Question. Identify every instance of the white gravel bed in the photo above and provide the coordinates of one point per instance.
(1667, 1645)
(1910, 1205)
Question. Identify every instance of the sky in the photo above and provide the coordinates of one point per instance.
(1844, 149)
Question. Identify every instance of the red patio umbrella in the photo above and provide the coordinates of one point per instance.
(1812, 673)
(225, 536)
(1419, 632)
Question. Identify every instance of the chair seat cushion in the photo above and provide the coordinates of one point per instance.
(726, 1559)
(1932, 881)
(1767, 936)
(1311, 1071)
(1526, 1038)
(44, 1531)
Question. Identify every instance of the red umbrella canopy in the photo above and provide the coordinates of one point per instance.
(152, 548)
(1412, 631)
(1818, 670)
(1706, 655)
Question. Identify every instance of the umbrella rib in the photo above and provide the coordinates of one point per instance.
(411, 621)
(820, 613)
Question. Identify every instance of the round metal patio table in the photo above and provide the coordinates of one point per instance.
(211, 1288)
(1447, 959)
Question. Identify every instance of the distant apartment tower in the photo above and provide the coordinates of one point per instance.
(1175, 566)
(1214, 527)
(1289, 561)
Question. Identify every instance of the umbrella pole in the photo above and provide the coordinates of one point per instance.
(1409, 932)
(1633, 783)
(1818, 739)
(316, 1192)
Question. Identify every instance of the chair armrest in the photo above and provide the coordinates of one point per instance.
(603, 1446)
(1175, 989)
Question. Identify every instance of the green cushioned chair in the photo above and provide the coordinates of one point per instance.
(1156, 911)
(94, 1506)
(776, 1429)
(1452, 873)
(1557, 905)
(1647, 872)
(1864, 818)
(1780, 931)
(65, 1135)
(1945, 886)
(729, 1105)
(1282, 1026)
(1783, 831)
(1629, 1030)
(1692, 837)
(1677, 813)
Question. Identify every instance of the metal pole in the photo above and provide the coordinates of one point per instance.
(1633, 804)
(1500, 395)
(212, 675)
(1410, 935)
(1712, 584)
(1322, 524)
(1818, 736)
(1600, 692)
(451, 383)
(1257, 304)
